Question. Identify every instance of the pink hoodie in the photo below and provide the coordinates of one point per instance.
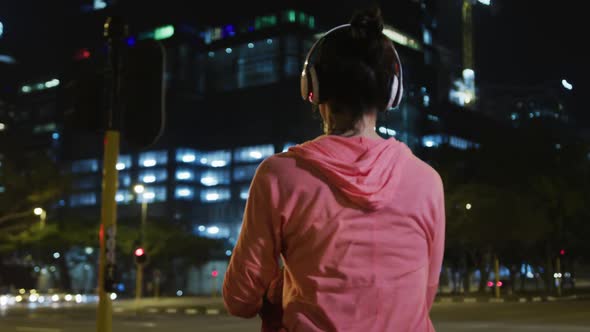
(359, 223)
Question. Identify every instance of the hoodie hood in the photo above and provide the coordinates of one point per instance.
(365, 170)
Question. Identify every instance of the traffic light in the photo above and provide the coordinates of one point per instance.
(140, 255)
(214, 273)
(562, 252)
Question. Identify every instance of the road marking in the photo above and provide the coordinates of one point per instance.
(191, 311)
(118, 309)
(537, 299)
(152, 310)
(470, 300)
(212, 312)
(36, 329)
(522, 300)
(171, 310)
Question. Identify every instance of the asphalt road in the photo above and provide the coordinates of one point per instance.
(572, 316)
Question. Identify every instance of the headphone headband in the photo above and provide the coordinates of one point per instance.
(310, 81)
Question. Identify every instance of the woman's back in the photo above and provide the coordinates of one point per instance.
(360, 223)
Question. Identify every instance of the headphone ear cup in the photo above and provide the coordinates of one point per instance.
(394, 93)
(304, 84)
(314, 93)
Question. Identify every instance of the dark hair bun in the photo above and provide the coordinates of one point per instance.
(367, 24)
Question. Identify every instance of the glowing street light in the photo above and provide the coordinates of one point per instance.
(567, 84)
(468, 206)
(139, 189)
(42, 216)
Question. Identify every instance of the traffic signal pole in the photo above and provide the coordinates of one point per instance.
(113, 30)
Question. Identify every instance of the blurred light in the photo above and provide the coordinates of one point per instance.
(130, 41)
(188, 158)
(213, 230)
(209, 181)
(485, 2)
(41, 299)
(468, 206)
(119, 197)
(36, 269)
(567, 85)
(1, 29)
(113, 296)
(52, 269)
(78, 298)
(202, 228)
(183, 175)
(514, 116)
(3, 300)
(149, 163)
(211, 54)
(426, 100)
(43, 271)
(468, 74)
(228, 252)
(120, 166)
(383, 130)
(149, 179)
(53, 83)
(18, 298)
(244, 195)
(7, 59)
(2, 126)
(139, 252)
(99, 4)
(139, 189)
(490, 284)
(530, 275)
(203, 160)
(56, 255)
(391, 132)
(179, 293)
(429, 143)
(21, 291)
(250, 45)
(255, 154)
(562, 252)
(217, 163)
(164, 32)
(228, 50)
(26, 89)
(212, 197)
(33, 298)
(184, 192)
(55, 298)
(567, 275)
(555, 275)
(214, 273)
(38, 211)
(68, 297)
(149, 195)
(269, 41)
(55, 136)
(499, 284)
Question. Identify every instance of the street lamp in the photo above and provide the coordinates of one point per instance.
(42, 216)
(468, 206)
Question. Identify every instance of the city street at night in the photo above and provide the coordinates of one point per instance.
(569, 316)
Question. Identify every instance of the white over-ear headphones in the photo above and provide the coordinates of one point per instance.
(310, 84)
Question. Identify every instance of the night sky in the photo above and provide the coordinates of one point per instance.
(518, 42)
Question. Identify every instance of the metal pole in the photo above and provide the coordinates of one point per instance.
(43, 217)
(104, 322)
(139, 267)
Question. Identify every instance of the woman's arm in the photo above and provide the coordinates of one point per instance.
(254, 262)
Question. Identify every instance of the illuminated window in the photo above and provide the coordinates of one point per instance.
(187, 156)
(124, 162)
(153, 175)
(85, 166)
(124, 197)
(124, 180)
(153, 158)
(152, 194)
(213, 195)
(244, 172)
(83, 199)
(427, 37)
(244, 192)
(253, 153)
(184, 193)
(220, 158)
(215, 177)
(185, 174)
(431, 141)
